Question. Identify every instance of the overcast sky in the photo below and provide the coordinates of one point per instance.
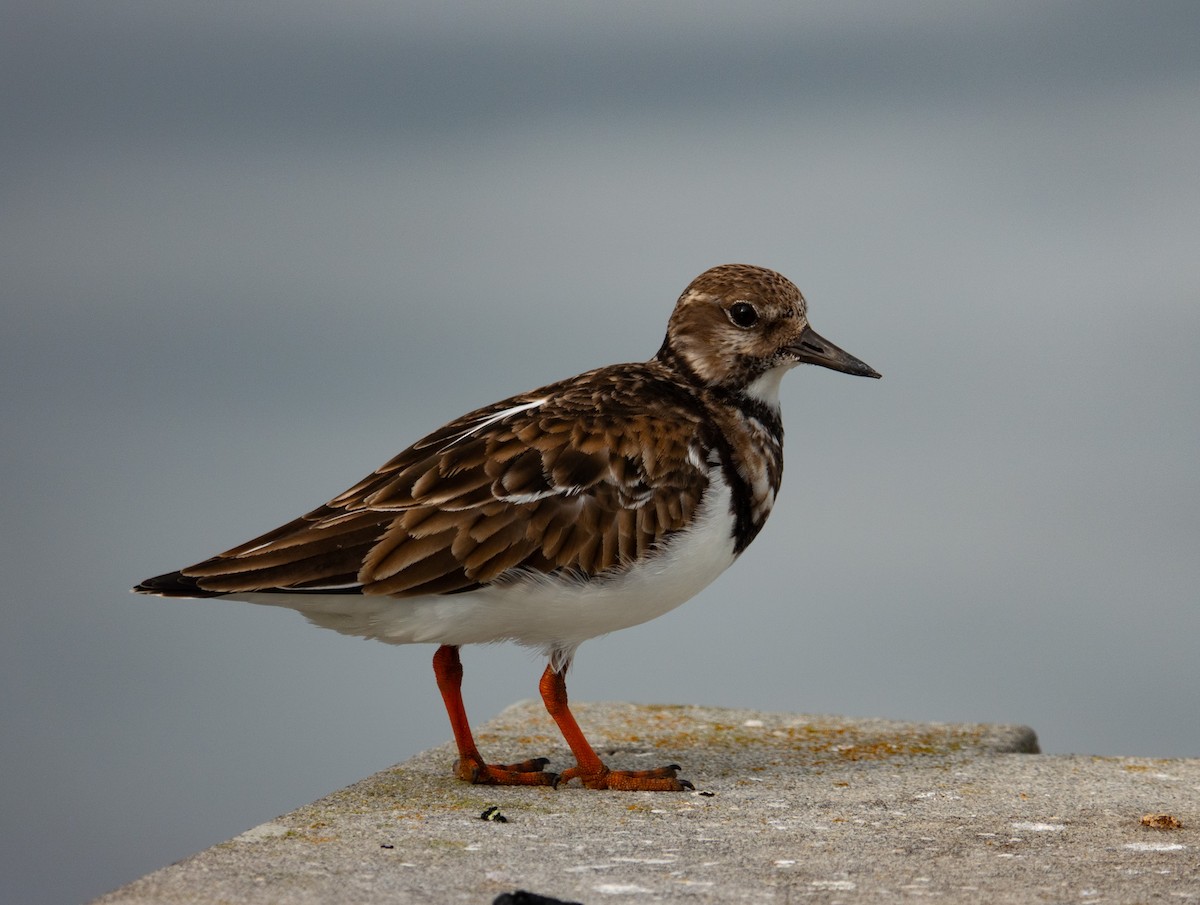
(250, 251)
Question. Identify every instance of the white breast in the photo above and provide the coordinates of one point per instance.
(551, 613)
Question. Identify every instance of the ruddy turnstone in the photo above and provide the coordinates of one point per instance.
(586, 506)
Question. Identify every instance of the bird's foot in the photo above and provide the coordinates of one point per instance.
(660, 779)
(530, 772)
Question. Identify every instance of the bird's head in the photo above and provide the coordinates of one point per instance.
(740, 328)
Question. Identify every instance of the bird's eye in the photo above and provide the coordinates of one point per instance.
(743, 314)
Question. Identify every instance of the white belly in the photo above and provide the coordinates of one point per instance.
(551, 613)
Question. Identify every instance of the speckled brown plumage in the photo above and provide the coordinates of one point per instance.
(578, 508)
(584, 482)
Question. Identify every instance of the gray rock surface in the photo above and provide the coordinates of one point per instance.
(787, 808)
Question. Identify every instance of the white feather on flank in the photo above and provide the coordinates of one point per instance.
(517, 498)
(553, 613)
(498, 416)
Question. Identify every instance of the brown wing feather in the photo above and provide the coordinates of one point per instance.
(588, 480)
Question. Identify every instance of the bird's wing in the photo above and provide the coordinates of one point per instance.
(580, 477)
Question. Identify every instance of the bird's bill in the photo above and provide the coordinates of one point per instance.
(812, 348)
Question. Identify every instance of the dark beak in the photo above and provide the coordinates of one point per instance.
(813, 349)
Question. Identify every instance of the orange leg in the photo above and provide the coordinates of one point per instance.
(589, 769)
(471, 767)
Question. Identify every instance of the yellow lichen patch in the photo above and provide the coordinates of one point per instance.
(817, 741)
(882, 750)
(1162, 821)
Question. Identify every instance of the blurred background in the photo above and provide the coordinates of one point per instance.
(250, 251)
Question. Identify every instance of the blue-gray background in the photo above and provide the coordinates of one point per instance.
(250, 251)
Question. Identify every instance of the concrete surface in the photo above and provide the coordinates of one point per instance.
(787, 808)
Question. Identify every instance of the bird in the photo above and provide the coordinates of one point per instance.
(589, 505)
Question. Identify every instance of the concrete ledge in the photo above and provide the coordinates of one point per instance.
(788, 808)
